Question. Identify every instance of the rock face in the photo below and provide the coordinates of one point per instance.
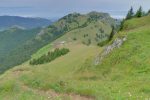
(116, 44)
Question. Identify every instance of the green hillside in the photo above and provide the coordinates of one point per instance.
(93, 27)
(13, 37)
(123, 74)
(24, 86)
(10, 40)
(87, 29)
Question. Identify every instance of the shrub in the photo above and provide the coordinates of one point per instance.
(85, 35)
(101, 44)
(74, 39)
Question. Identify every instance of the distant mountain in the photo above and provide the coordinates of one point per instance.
(25, 22)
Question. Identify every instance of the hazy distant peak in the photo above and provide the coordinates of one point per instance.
(7, 21)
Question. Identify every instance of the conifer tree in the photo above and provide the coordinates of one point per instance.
(112, 33)
(148, 12)
(121, 24)
(130, 14)
(139, 12)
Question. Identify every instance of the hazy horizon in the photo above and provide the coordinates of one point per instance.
(55, 8)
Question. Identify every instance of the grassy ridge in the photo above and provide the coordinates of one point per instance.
(90, 32)
(136, 22)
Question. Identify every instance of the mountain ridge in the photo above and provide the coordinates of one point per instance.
(25, 22)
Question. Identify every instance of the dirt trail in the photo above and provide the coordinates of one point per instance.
(52, 95)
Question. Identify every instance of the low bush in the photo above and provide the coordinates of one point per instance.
(101, 44)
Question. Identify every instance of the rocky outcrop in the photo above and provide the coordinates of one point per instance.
(116, 44)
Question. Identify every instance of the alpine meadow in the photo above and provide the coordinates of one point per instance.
(74, 50)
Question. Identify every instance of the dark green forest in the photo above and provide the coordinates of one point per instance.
(50, 56)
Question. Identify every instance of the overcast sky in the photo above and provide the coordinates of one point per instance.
(59, 8)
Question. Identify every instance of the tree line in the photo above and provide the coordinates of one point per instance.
(137, 14)
(50, 56)
(131, 14)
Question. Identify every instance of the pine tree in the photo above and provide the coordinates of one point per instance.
(121, 24)
(130, 14)
(139, 12)
(148, 12)
(112, 33)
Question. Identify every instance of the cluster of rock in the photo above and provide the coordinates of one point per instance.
(116, 44)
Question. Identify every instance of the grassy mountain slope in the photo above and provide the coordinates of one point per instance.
(128, 66)
(91, 33)
(90, 28)
(63, 68)
(94, 27)
(123, 74)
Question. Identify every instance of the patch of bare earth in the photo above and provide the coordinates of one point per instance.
(52, 95)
